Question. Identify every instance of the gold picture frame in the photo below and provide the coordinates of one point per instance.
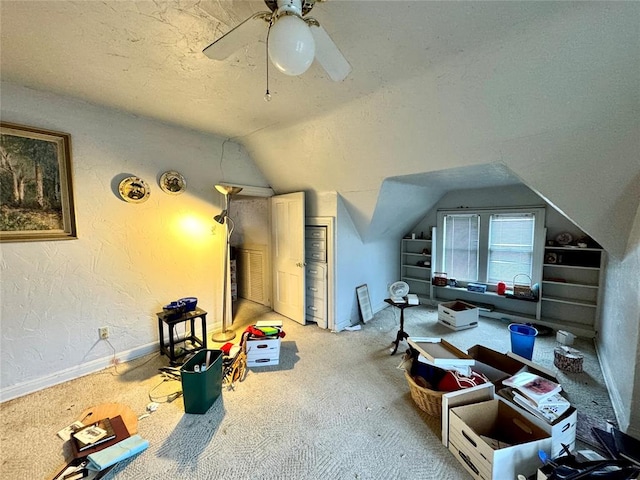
(36, 191)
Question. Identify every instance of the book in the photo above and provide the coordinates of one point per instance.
(555, 399)
(533, 386)
(120, 433)
(108, 457)
(548, 412)
(94, 434)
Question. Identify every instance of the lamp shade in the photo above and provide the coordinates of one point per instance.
(291, 45)
(221, 217)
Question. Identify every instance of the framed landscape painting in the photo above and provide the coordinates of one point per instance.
(36, 195)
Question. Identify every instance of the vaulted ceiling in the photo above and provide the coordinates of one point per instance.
(514, 91)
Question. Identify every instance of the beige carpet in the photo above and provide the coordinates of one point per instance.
(336, 407)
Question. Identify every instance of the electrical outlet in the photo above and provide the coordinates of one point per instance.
(103, 332)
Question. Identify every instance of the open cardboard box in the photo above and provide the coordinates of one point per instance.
(458, 315)
(493, 440)
(500, 366)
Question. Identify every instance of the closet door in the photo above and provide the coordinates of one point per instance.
(287, 228)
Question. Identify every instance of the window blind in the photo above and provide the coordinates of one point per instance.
(511, 238)
(460, 246)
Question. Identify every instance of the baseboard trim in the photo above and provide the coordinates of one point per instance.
(31, 386)
(616, 402)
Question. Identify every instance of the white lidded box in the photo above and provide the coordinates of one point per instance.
(494, 441)
(565, 338)
(458, 315)
(264, 351)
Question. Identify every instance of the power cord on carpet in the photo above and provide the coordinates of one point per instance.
(115, 363)
(165, 398)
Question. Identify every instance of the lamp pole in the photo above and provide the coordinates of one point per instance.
(225, 335)
(223, 218)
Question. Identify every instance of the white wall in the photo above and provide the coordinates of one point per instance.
(129, 259)
(252, 221)
(619, 343)
(376, 264)
(506, 196)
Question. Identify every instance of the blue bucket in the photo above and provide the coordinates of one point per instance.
(523, 338)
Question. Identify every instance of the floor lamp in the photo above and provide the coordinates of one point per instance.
(223, 219)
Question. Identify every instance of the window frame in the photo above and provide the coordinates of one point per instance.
(485, 214)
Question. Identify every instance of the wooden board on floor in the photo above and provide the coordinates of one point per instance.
(109, 410)
(105, 410)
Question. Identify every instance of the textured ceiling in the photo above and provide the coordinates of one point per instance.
(435, 86)
(146, 56)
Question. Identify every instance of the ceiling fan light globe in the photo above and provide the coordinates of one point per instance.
(291, 45)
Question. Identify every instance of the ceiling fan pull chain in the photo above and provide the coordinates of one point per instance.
(267, 95)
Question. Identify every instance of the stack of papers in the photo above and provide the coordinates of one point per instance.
(538, 395)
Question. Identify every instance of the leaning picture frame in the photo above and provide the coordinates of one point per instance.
(364, 302)
(36, 191)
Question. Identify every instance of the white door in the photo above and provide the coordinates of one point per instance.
(287, 233)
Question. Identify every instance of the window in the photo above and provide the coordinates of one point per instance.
(510, 246)
(492, 245)
(460, 246)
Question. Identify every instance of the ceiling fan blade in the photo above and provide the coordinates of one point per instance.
(249, 31)
(328, 55)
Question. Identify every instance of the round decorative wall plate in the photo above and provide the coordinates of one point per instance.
(172, 182)
(134, 190)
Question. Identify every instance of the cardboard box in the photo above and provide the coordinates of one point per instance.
(264, 360)
(466, 396)
(565, 338)
(439, 352)
(500, 366)
(262, 352)
(476, 287)
(458, 315)
(494, 441)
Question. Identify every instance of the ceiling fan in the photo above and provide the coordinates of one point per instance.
(294, 40)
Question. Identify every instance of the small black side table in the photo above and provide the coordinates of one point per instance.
(171, 322)
(401, 333)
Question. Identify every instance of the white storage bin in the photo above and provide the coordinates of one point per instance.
(458, 315)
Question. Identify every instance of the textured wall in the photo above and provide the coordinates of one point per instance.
(619, 342)
(129, 259)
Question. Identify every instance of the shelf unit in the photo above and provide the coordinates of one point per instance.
(571, 283)
(413, 258)
(570, 291)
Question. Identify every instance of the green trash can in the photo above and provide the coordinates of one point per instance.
(201, 389)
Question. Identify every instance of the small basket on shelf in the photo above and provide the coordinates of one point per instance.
(522, 290)
(440, 279)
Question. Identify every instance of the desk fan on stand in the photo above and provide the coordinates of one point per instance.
(397, 292)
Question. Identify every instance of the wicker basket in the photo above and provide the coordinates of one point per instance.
(522, 290)
(429, 401)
